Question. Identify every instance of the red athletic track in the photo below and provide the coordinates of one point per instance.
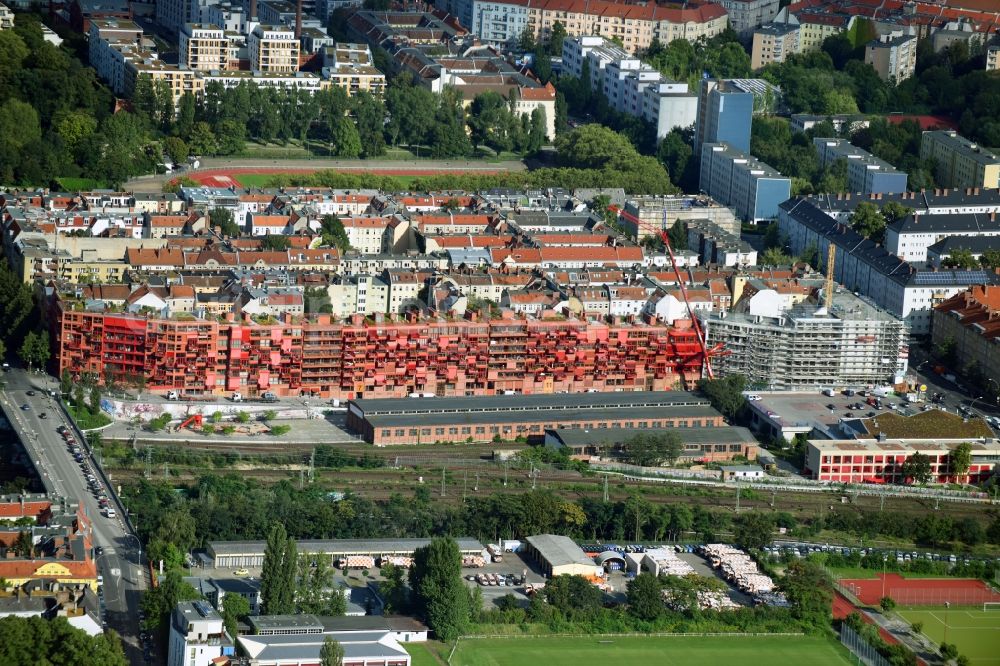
(922, 591)
(224, 177)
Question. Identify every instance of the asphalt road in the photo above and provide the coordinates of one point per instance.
(120, 562)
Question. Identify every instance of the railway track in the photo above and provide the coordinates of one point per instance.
(482, 480)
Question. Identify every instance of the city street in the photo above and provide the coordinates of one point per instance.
(120, 561)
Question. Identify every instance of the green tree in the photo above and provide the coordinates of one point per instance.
(95, 399)
(34, 350)
(275, 242)
(235, 607)
(960, 459)
(393, 589)
(726, 394)
(651, 449)
(572, 595)
(775, 257)
(917, 468)
(678, 236)
(223, 218)
(867, 220)
(645, 598)
(754, 530)
(809, 589)
(277, 578)
(526, 40)
(556, 38)
(159, 602)
(202, 140)
(332, 653)
(35, 640)
(230, 137)
(961, 258)
(887, 603)
(990, 259)
(176, 149)
(439, 593)
(345, 138)
(334, 234)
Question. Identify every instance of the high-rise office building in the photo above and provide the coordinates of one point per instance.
(724, 115)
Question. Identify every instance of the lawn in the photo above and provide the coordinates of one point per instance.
(932, 423)
(87, 421)
(663, 651)
(420, 655)
(72, 184)
(975, 632)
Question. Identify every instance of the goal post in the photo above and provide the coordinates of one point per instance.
(991, 606)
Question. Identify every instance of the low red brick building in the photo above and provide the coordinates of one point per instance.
(506, 418)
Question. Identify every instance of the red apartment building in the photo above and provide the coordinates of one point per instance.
(380, 358)
(874, 461)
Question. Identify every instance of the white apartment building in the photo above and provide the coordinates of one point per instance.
(307, 81)
(273, 49)
(750, 187)
(203, 47)
(197, 635)
(351, 67)
(894, 56)
(863, 267)
(993, 58)
(910, 237)
(630, 85)
(229, 17)
(6, 17)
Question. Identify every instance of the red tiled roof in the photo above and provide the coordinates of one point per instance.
(154, 256)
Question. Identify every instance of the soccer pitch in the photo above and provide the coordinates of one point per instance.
(659, 650)
(976, 632)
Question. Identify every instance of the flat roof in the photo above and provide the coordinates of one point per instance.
(533, 402)
(832, 446)
(272, 622)
(338, 546)
(567, 415)
(559, 550)
(721, 435)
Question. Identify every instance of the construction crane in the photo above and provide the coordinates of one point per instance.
(705, 353)
(831, 257)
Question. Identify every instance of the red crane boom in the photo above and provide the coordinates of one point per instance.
(705, 351)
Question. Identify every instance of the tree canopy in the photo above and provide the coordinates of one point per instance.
(30, 641)
(440, 595)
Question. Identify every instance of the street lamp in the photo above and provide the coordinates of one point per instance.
(997, 384)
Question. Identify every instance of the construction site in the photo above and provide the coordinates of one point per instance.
(807, 338)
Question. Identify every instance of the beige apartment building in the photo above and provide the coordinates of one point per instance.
(273, 49)
(960, 162)
(774, 43)
(993, 58)
(350, 67)
(894, 56)
(178, 80)
(203, 48)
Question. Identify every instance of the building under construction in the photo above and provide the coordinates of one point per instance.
(778, 341)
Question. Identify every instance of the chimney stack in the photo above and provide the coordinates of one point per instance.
(298, 21)
(253, 9)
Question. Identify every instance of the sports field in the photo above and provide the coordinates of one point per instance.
(976, 632)
(663, 651)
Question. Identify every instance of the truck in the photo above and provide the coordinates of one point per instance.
(173, 395)
(495, 551)
(912, 397)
